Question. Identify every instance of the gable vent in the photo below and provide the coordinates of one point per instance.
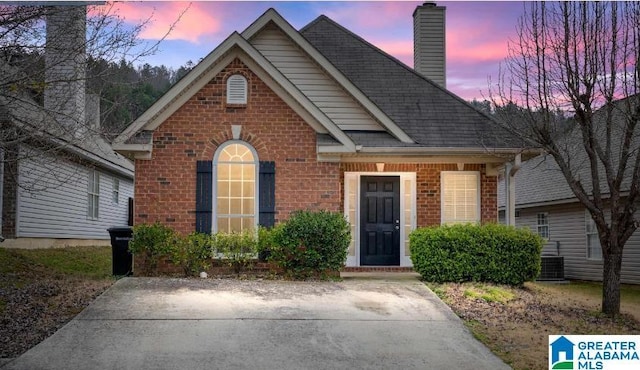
(237, 90)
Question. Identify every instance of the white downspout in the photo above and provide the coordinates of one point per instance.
(510, 189)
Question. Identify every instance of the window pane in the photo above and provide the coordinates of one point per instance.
(223, 171)
(223, 224)
(235, 189)
(248, 189)
(224, 155)
(248, 172)
(235, 172)
(223, 189)
(223, 206)
(248, 206)
(248, 223)
(235, 224)
(235, 206)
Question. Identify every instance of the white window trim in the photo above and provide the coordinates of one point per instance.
(405, 261)
(93, 213)
(478, 195)
(539, 226)
(214, 177)
(587, 220)
(115, 194)
(237, 97)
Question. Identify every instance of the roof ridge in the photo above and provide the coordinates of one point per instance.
(394, 59)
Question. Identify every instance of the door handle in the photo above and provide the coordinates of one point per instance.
(397, 227)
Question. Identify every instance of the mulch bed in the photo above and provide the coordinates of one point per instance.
(35, 309)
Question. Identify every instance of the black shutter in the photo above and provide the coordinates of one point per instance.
(204, 190)
(267, 194)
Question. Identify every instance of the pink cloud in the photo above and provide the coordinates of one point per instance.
(195, 23)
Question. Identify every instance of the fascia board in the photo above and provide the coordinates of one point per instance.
(272, 15)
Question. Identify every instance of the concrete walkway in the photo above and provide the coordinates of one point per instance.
(370, 321)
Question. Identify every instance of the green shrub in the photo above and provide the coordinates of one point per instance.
(154, 242)
(238, 250)
(266, 241)
(193, 253)
(311, 244)
(488, 253)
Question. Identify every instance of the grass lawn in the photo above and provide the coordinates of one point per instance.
(516, 322)
(41, 290)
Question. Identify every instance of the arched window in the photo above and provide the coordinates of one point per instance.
(236, 183)
(237, 90)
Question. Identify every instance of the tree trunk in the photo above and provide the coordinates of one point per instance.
(611, 283)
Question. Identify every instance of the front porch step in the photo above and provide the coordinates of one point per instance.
(377, 269)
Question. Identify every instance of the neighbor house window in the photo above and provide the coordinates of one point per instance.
(236, 165)
(116, 190)
(237, 90)
(594, 250)
(543, 225)
(460, 197)
(93, 194)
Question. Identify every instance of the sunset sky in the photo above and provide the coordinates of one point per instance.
(477, 32)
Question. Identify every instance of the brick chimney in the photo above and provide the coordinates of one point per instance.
(429, 42)
(65, 68)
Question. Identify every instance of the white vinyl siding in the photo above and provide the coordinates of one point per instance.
(542, 227)
(567, 231)
(313, 81)
(53, 201)
(594, 249)
(460, 202)
(236, 90)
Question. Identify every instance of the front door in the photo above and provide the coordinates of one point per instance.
(380, 221)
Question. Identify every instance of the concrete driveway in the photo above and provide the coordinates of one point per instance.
(360, 323)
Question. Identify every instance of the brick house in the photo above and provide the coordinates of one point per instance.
(275, 120)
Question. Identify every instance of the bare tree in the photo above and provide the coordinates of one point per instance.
(44, 51)
(582, 58)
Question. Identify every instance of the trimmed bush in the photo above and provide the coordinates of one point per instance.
(193, 253)
(311, 244)
(154, 242)
(238, 250)
(489, 253)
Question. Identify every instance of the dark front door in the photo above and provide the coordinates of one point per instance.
(380, 221)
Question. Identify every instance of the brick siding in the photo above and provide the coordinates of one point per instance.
(165, 185)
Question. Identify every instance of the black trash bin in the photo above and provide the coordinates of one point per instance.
(122, 258)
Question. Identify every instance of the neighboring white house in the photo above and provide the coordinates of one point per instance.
(546, 205)
(72, 196)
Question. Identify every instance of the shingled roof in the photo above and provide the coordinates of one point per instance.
(428, 113)
(540, 181)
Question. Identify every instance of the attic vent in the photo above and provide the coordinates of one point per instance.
(237, 90)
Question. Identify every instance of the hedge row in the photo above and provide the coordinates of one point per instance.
(309, 244)
(489, 253)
